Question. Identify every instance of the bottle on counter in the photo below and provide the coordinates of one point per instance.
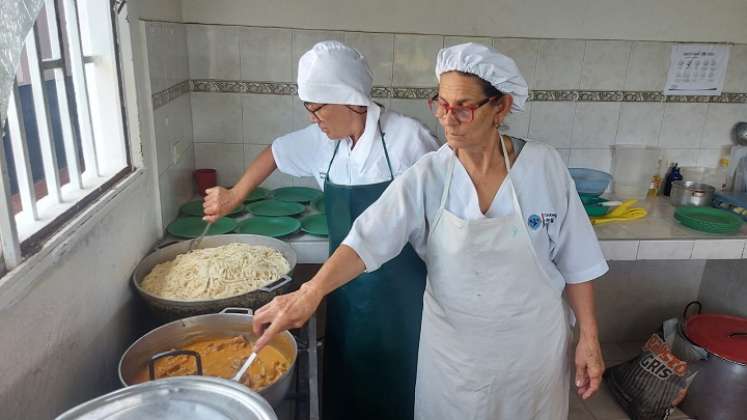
(676, 176)
(666, 186)
(725, 182)
(655, 185)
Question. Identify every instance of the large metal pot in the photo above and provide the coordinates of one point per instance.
(169, 309)
(186, 397)
(719, 390)
(229, 322)
(689, 193)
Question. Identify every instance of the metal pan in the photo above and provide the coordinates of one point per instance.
(169, 309)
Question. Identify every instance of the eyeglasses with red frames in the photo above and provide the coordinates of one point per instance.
(462, 113)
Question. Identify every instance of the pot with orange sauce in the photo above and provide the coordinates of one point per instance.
(212, 345)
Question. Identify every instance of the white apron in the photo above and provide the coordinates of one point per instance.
(494, 342)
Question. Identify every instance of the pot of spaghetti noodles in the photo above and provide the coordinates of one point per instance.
(212, 345)
(224, 271)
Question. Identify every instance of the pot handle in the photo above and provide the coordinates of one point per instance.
(687, 309)
(158, 246)
(242, 311)
(152, 361)
(282, 281)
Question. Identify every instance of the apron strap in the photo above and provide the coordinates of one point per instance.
(506, 157)
(447, 184)
(386, 154)
(450, 172)
(514, 197)
(329, 167)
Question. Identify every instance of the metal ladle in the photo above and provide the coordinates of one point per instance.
(196, 241)
(242, 370)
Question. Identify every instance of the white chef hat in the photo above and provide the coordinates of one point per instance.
(333, 73)
(488, 64)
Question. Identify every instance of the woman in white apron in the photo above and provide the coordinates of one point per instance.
(354, 149)
(503, 233)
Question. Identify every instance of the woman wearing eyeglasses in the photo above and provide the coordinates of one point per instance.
(354, 149)
(503, 234)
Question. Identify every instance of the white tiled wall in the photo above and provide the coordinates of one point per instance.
(415, 59)
(167, 54)
(168, 64)
(559, 64)
(378, 50)
(604, 65)
(691, 134)
(213, 52)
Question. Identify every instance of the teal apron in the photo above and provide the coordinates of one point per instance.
(373, 322)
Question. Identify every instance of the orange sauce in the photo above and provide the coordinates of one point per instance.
(223, 357)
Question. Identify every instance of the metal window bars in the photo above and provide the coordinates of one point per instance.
(57, 32)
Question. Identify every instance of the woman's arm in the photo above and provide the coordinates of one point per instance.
(220, 201)
(294, 309)
(377, 236)
(589, 361)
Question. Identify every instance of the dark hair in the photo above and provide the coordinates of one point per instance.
(487, 89)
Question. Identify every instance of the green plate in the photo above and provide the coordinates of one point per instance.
(318, 204)
(269, 226)
(591, 199)
(316, 225)
(275, 208)
(194, 208)
(258, 194)
(296, 194)
(191, 227)
(707, 219)
(595, 210)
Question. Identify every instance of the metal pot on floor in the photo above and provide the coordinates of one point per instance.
(719, 390)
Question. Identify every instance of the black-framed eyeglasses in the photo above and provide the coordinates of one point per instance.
(313, 108)
(462, 113)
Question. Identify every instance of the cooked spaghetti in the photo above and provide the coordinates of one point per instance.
(216, 273)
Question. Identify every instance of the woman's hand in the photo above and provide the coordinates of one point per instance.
(219, 202)
(285, 312)
(589, 365)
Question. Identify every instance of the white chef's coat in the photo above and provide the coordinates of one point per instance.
(562, 236)
(307, 152)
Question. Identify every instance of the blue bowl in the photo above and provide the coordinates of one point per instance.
(590, 181)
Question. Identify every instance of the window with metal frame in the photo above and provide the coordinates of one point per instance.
(64, 141)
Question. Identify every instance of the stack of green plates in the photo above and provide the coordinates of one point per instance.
(318, 204)
(192, 227)
(194, 208)
(269, 226)
(316, 225)
(707, 219)
(258, 194)
(296, 194)
(275, 208)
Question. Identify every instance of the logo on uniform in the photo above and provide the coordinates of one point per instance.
(534, 222)
(548, 218)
